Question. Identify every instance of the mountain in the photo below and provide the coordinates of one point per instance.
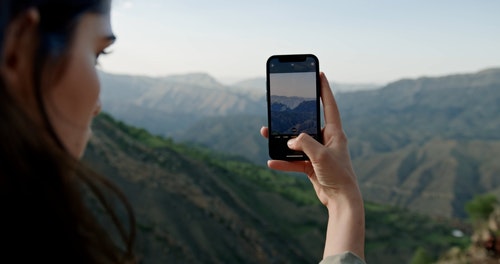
(196, 205)
(427, 141)
(464, 106)
(259, 85)
(192, 207)
(235, 134)
(171, 104)
(291, 115)
(414, 142)
(291, 102)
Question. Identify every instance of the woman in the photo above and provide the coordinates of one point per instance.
(49, 94)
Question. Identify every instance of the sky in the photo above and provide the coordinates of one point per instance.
(292, 84)
(356, 41)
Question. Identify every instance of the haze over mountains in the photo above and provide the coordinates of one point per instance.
(169, 105)
(428, 144)
(178, 101)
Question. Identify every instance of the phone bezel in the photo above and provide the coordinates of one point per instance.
(278, 150)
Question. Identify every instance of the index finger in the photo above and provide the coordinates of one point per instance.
(332, 114)
(264, 131)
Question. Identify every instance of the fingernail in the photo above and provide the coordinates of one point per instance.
(291, 142)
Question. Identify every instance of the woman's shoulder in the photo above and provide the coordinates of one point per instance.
(344, 258)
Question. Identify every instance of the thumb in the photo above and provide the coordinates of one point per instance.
(306, 144)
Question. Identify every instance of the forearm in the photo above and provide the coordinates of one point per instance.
(346, 225)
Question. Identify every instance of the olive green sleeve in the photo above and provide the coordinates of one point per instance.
(344, 258)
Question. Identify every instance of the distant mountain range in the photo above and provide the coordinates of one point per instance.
(290, 102)
(293, 115)
(428, 144)
(259, 84)
(171, 104)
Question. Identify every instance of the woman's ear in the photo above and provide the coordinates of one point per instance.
(20, 45)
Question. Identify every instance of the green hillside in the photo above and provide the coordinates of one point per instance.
(195, 205)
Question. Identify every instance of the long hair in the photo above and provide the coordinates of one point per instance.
(46, 208)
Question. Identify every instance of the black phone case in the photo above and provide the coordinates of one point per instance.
(278, 148)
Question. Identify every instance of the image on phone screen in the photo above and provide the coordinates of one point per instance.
(293, 103)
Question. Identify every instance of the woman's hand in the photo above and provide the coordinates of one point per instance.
(330, 170)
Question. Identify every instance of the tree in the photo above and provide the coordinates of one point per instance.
(421, 257)
(481, 207)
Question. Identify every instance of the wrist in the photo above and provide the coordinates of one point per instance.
(346, 224)
(344, 199)
(346, 208)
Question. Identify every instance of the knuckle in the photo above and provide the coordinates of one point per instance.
(299, 140)
(342, 138)
(301, 137)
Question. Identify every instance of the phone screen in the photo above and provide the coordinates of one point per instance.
(293, 102)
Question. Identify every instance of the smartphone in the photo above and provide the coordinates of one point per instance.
(293, 102)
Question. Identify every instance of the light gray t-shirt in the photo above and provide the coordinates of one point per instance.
(344, 258)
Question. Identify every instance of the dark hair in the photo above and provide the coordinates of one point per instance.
(45, 193)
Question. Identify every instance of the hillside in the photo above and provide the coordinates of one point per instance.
(195, 205)
(427, 141)
(194, 208)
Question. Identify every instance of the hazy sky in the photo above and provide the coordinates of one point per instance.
(356, 41)
(299, 84)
